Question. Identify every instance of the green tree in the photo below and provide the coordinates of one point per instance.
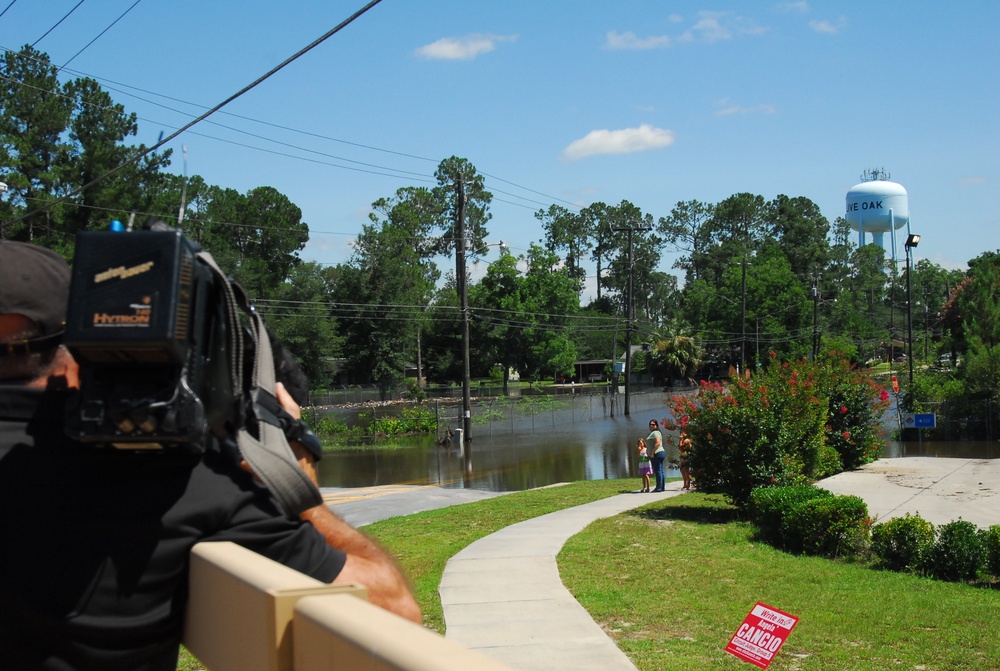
(461, 189)
(34, 149)
(299, 315)
(570, 232)
(979, 306)
(675, 357)
(687, 229)
(550, 299)
(98, 129)
(384, 285)
(498, 335)
(801, 230)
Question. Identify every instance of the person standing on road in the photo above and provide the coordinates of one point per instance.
(654, 442)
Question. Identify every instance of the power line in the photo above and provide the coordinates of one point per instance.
(101, 34)
(298, 131)
(7, 7)
(57, 23)
(205, 115)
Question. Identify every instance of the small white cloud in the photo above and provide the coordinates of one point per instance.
(728, 109)
(972, 180)
(630, 40)
(800, 7)
(827, 27)
(675, 18)
(624, 141)
(462, 48)
(717, 26)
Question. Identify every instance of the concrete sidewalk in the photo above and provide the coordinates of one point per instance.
(502, 595)
(939, 489)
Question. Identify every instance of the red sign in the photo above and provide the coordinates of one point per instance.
(761, 635)
(895, 384)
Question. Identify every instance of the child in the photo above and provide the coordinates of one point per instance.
(645, 467)
(684, 446)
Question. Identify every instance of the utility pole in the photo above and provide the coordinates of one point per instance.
(463, 297)
(630, 317)
(815, 297)
(743, 319)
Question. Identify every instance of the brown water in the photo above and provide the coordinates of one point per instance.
(596, 450)
(548, 450)
(959, 449)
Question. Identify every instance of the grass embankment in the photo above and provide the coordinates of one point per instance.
(671, 581)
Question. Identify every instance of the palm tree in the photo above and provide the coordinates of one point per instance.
(675, 357)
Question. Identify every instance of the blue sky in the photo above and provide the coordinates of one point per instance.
(563, 102)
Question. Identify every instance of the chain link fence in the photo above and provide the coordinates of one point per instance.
(496, 415)
(965, 420)
(509, 415)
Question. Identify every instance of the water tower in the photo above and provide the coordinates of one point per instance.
(877, 206)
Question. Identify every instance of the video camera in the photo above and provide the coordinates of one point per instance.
(149, 325)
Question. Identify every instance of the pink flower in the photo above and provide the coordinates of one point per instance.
(847, 435)
(843, 410)
(884, 395)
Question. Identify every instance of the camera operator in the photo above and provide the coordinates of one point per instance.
(93, 567)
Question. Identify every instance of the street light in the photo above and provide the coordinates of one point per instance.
(912, 240)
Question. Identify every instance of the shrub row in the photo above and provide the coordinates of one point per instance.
(810, 520)
(957, 551)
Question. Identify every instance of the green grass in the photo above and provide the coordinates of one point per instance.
(672, 581)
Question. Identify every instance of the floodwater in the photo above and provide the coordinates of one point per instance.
(597, 450)
(548, 450)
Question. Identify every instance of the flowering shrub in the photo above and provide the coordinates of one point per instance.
(792, 424)
(856, 404)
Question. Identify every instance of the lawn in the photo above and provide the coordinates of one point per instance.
(672, 581)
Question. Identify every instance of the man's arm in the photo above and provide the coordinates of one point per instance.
(367, 564)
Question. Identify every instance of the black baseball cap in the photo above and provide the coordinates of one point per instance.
(34, 282)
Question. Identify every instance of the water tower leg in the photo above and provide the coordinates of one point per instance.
(892, 232)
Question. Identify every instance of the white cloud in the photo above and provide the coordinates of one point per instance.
(800, 7)
(716, 26)
(728, 109)
(624, 141)
(630, 40)
(827, 27)
(462, 48)
(973, 180)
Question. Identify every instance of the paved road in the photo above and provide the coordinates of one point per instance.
(938, 489)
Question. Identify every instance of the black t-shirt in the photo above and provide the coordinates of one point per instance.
(94, 543)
